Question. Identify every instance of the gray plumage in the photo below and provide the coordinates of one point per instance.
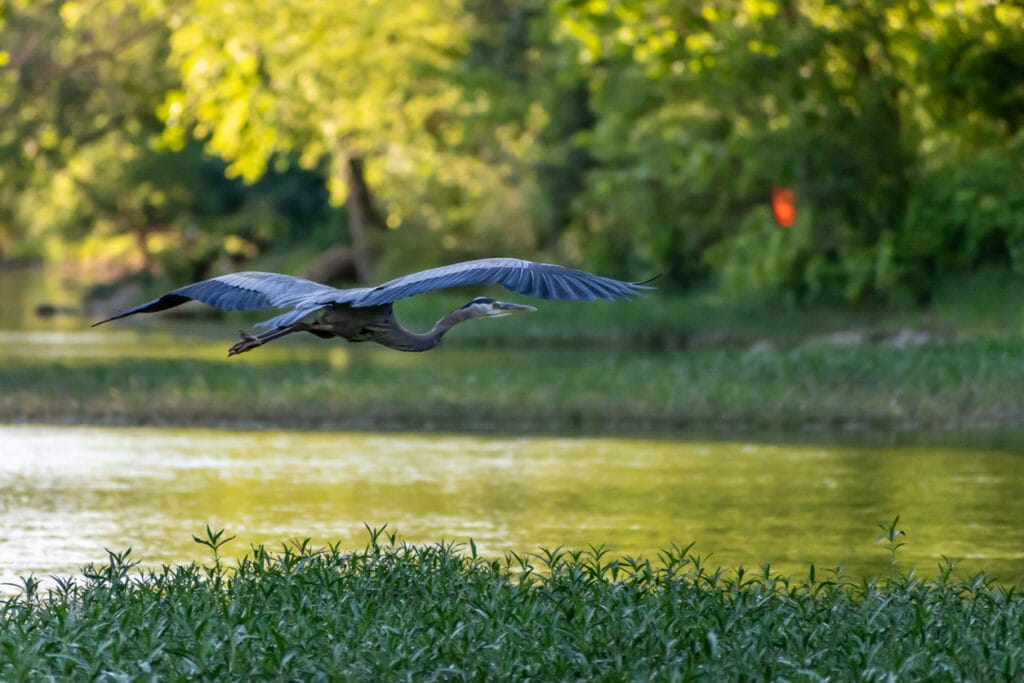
(365, 313)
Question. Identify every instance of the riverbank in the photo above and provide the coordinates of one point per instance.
(954, 385)
(395, 611)
(662, 365)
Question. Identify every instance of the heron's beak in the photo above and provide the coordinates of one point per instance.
(503, 308)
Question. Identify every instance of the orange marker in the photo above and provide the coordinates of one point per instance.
(784, 206)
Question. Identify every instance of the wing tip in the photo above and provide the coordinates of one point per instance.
(162, 304)
(645, 284)
(122, 314)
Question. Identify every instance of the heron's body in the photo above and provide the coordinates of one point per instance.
(373, 324)
(365, 313)
(355, 324)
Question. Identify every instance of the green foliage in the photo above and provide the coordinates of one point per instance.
(701, 112)
(891, 540)
(384, 83)
(393, 610)
(74, 107)
(85, 172)
(639, 136)
(964, 214)
(761, 258)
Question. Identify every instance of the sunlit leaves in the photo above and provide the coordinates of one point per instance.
(72, 93)
(325, 80)
(643, 134)
(383, 82)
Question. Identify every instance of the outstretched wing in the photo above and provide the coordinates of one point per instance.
(542, 280)
(242, 292)
(253, 290)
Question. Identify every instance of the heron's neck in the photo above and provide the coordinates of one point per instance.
(407, 340)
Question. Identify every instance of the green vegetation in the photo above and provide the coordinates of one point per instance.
(394, 611)
(955, 385)
(351, 141)
(631, 137)
(696, 364)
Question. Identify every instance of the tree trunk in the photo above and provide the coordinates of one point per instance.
(363, 219)
(355, 261)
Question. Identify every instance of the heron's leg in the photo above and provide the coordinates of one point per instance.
(249, 342)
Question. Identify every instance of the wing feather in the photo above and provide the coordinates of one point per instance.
(543, 280)
(248, 291)
(255, 290)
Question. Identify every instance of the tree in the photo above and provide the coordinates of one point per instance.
(366, 90)
(74, 109)
(701, 109)
(637, 135)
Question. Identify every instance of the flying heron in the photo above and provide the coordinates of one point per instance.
(365, 313)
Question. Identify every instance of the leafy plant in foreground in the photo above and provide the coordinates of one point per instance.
(394, 610)
(890, 539)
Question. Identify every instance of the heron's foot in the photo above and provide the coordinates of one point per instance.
(246, 343)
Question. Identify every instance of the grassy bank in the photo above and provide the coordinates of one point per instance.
(951, 385)
(393, 611)
(664, 364)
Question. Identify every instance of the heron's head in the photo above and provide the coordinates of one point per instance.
(482, 307)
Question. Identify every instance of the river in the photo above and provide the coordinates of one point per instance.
(67, 493)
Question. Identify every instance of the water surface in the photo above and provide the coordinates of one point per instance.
(66, 493)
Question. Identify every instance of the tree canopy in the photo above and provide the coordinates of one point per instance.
(632, 136)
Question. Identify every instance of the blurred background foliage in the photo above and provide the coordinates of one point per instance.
(353, 140)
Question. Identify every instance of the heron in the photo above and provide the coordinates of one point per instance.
(364, 314)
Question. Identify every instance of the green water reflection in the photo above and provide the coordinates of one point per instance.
(67, 493)
(24, 290)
